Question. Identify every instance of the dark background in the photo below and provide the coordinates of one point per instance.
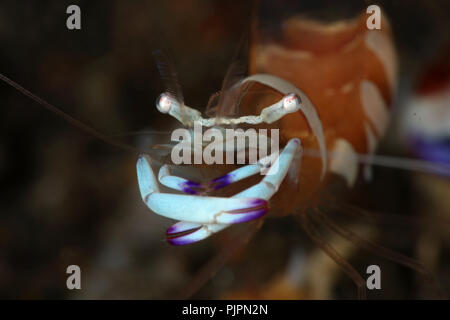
(67, 198)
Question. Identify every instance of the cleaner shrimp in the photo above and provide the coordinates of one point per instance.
(328, 88)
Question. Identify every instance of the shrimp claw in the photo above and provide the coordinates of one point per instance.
(202, 216)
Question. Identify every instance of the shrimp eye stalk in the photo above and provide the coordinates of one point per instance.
(165, 103)
(291, 103)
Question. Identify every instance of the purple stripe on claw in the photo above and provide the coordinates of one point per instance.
(221, 182)
(252, 215)
(191, 187)
(187, 233)
(182, 226)
(183, 233)
(256, 208)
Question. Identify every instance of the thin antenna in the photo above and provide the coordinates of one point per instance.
(89, 130)
(230, 92)
(392, 162)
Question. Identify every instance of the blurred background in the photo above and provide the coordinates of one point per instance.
(67, 198)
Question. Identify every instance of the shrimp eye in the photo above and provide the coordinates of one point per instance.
(291, 102)
(164, 103)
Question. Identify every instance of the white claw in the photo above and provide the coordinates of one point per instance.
(197, 209)
(201, 216)
(277, 172)
(177, 183)
(146, 179)
(206, 210)
(183, 232)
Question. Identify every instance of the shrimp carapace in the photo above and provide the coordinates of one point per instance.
(349, 74)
